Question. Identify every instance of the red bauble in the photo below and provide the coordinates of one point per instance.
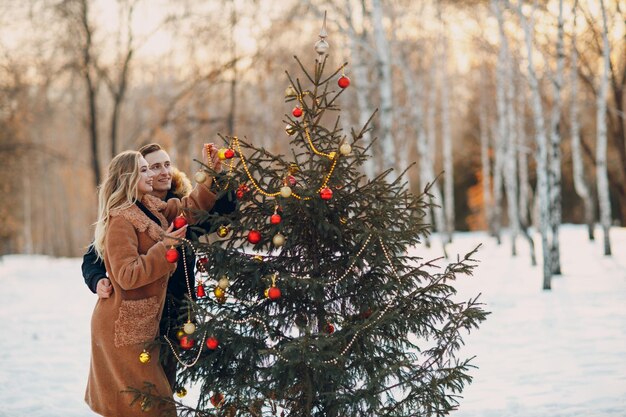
(203, 260)
(179, 222)
(343, 81)
(212, 343)
(217, 400)
(240, 194)
(326, 193)
(186, 342)
(330, 329)
(275, 219)
(254, 236)
(200, 291)
(229, 153)
(297, 112)
(292, 180)
(171, 255)
(241, 191)
(273, 293)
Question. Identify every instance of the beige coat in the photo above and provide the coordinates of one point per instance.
(124, 324)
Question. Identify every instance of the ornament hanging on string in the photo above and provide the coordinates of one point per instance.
(297, 112)
(189, 327)
(275, 218)
(329, 328)
(326, 193)
(219, 292)
(278, 240)
(223, 231)
(181, 392)
(144, 357)
(321, 46)
(200, 293)
(212, 343)
(180, 221)
(171, 255)
(343, 81)
(285, 191)
(224, 282)
(186, 342)
(290, 91)
(290, 129)
(254, 236)
(242, 191)
(217, 400)
(200, 176)
(345, 149)
(273, 292)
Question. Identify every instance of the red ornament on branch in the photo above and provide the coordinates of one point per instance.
(326, 193)
(297, 112)
(179, 222)
(273, 293)
(200, 291)
(186, 342)
(229, 153)
(254, 236)
(212, 343)
(171, 255)
(343, 81)
(275, 218)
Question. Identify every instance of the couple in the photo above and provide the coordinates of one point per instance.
(133, 232)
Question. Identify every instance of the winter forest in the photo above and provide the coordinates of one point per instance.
(512, 109)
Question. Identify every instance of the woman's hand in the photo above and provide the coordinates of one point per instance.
(172, 236)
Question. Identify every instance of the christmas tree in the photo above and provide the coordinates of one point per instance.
(309, 303)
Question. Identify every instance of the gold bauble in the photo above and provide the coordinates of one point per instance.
(144, 357)
(181, 392)
(293, 168)
(189, 327)
(345, 149)
(258, 258)
(278, 240)
(285, 192)
(222, 231)
(180, 333)
(200, 176)
(290, 91)
(219, 292)
(290, 130)
(221, 154)
(224, 282)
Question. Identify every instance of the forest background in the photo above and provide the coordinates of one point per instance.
(81, 80)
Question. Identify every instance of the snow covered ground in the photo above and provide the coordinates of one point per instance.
(557, 353)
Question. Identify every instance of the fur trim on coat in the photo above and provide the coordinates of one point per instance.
(181, 185)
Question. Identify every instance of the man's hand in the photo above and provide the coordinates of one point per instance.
(104, 288)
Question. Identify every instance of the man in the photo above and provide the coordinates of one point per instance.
(167, 183)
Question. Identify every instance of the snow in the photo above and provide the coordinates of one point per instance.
(540, 353)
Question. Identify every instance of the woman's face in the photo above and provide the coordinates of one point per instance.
(145, 178)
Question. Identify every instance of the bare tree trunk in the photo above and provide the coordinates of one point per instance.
(430, 152)
(501, 123)
(540, 138)
(446, 136)
(507, 124)
(484, 154)
(525, 192)
(230, 121)
(580, 185)
(554, 168)
(601, 145)
(28, 210)
(359, 71)
(383, 55)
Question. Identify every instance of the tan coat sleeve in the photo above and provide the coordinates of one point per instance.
(201, 198)
(129, 268)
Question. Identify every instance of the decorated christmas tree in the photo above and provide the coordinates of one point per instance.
(311, 301)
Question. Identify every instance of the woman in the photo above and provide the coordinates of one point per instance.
(132, 236)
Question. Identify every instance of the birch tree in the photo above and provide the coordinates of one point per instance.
(383, 62)
(580, 184)
(554, 168)
(601, 145)
(484, 128)
(541, 141)
(446, 135)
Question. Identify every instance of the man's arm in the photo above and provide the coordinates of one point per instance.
(93, 269)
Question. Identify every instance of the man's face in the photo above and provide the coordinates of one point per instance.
(160, 163)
